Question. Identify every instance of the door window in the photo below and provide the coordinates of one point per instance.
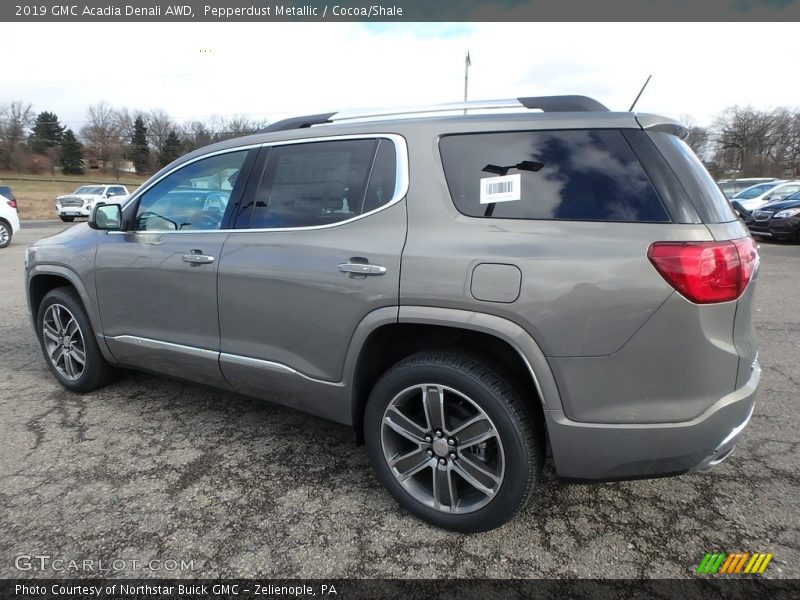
(194, 197)
(321, 183)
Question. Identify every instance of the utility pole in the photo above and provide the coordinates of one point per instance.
(467, 63)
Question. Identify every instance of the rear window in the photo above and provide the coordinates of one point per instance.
(584, 175)
(754, 191)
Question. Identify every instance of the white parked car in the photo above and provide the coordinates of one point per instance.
(752, 198)
(80, 202)
(9, 221)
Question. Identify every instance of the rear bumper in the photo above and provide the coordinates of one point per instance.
(606, 451)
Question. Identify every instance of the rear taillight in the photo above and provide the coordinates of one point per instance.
(706, 272)
(12, 203)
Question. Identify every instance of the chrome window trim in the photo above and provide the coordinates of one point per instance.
(400, 187)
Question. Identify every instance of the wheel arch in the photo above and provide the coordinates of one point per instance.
(383, 340)
(44, 278)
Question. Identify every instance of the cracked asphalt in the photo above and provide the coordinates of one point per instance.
(153, 469)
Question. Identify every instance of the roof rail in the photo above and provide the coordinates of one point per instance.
(543, 103)
(297, 123)
(563, 103)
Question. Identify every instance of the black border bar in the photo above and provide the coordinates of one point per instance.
(702, 587)
(399, 10)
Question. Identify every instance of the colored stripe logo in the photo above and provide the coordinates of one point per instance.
(733, 563)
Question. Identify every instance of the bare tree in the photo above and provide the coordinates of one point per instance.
(159, 125)
(237, 126)
(696, 136)
(15, 119)
(101, 132)
(196, 134)
(786, 142)
(124, 119)
(743, 136)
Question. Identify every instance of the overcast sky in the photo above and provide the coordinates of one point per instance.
(273, 70)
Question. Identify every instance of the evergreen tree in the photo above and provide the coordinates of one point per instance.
(47, 132)
(140, 151)
(72, 156)
(172, 149)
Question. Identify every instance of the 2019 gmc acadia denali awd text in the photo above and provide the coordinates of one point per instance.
(462, 289)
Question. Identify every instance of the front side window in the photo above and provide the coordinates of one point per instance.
(193, 197)
(116, 191)
(321, 183)
(569, 175)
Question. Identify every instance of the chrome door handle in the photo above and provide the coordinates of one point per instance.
(362, 269)
(198, 259)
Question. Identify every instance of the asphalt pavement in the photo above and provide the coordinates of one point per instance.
(151, 477)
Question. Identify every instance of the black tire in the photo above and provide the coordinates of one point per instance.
(5, 234)
(96, 372)
(66, 219)
(499, 400)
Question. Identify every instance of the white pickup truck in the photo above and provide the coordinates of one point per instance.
(80, 202)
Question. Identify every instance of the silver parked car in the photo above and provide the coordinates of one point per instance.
(462, 289)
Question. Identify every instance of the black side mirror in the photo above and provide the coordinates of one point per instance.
(107, 217)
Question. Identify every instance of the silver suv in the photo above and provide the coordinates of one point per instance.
(464, 290)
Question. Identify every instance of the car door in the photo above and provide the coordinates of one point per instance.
(317, 249)
(157, 280)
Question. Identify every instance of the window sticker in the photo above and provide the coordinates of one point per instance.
(501, 189)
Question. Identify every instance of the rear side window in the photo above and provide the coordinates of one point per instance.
(321, 183)
(585, 175)
(706, 196)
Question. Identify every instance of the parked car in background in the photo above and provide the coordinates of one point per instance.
(80, 202)
(744, 206)
(9, 220)
(6, 192)
(778, 220)
(731, 187)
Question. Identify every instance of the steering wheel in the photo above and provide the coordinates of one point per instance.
(206, 219)
(147, 215)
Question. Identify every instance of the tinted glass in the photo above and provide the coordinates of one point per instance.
(116, 190)
(5, 191)
(194, 197)
(754, 191)
(572, 175)
(795, 196)
(785, 190)
(316, 183)
(382, 181)
(705, 194)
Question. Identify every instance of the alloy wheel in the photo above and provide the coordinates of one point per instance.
(64, 342)
(443, 448)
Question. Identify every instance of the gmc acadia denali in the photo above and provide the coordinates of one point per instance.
(465, 289)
